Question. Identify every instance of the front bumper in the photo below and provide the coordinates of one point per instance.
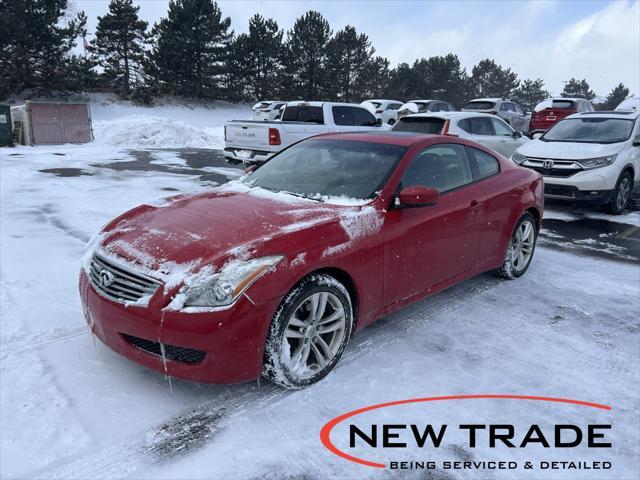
(223, 346)
(572, 193)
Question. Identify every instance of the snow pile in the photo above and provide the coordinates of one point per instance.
(144, 131)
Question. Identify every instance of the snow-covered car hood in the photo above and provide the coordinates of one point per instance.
(568, 150)
(226, 223)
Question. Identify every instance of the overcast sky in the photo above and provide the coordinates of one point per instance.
(555, 39)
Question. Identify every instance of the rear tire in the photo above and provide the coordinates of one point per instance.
(520, 248)
(309, 332)
(621, 194)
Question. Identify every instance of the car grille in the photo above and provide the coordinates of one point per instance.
(560, 168)
(118, 282)
(171, 352)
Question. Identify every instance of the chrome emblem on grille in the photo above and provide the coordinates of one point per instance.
(547, 163)
(106, 278)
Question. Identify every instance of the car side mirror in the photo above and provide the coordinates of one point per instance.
(517, 134)
(636, 141)
(378, 122)
(536, 136)
(417, 196)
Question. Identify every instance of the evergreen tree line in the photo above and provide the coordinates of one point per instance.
(193, 52)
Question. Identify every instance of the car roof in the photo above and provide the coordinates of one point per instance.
(489, 100)
(405, 139)
(451, 115)
(625, 114)
(297, 103)
(381, 100)
(424, 100)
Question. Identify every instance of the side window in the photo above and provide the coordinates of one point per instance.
(481, 126)
(342, 116)
(504, 107)
(518, 109)
(449, 107)
(443, 167)
(394, 106)
(363, 118)
(422, 107)
(465, 125)
(485, 165)
(277, 106)
(501, 128)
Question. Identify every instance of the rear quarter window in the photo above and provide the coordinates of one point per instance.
(419, 125)
(484, 165)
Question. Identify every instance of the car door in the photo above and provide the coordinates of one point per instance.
(504, 142)
(343, 118)
(482, 131)
(427, 246)
(363, 120)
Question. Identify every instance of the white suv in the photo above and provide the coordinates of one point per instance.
(385, 110)
(592, 156)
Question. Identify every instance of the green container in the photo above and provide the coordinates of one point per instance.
(6, 129)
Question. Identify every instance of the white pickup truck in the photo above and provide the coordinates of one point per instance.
(254, 141)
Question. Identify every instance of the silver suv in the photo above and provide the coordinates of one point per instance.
(509, 111)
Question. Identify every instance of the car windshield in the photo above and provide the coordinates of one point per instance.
(590, 130)
(419, 125)
(329, 168)
(479, 106)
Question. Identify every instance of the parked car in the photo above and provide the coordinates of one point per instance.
(549, 112)
(592, 157)
(424, 106)
(631, 103)
(267, 110)
(489, 130)
(248, 280)
(509, 111)
(385, 110)
(254, 141)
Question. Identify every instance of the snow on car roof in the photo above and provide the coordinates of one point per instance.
(451, 115)
(626, 114)
(405, 139)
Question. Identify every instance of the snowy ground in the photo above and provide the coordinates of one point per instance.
(71, 408)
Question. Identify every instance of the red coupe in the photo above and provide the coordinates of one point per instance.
(270, 275)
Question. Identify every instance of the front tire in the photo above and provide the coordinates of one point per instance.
(621, 194)
(309, 332)
(520, 249)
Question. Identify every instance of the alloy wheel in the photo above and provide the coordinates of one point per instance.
(623, 193)
(314, 334)
(522, 245)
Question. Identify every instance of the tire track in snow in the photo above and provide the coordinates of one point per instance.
(40, 340)
(200, 422)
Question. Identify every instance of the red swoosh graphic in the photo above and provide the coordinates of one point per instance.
(325, 433)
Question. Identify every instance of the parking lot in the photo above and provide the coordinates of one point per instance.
(85, 412)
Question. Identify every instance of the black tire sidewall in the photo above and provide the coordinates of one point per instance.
(613, 203)
(526, 216)
(275, 369)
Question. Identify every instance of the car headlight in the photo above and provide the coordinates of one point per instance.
(518, 158)
(598, 161)
(223, 288)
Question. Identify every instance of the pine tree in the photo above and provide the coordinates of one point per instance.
(119, 46)
(492, 80)
(374, 78)
(35, 44)
(306, 57)
(349, 57)
(578, 88)
(255, 59)
(617, 95)
(530, 93)
(401, 84)
(190, 48)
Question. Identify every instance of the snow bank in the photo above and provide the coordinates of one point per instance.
(144, 131)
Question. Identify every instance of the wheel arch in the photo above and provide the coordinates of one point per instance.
(536, 215)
